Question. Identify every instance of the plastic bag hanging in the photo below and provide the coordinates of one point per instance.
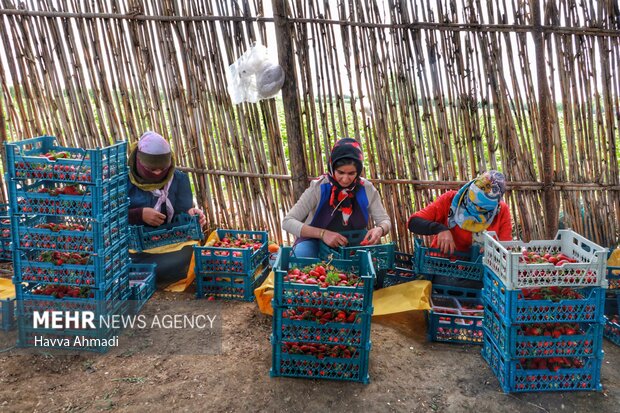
(256, 75)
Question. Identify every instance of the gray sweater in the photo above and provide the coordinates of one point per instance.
(303, 211)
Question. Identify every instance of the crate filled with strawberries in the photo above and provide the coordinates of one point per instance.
(232, 265)
(544, 339)
(455, 319)
(321, 322)
(403, 271)
(544, 307)
(60, 199)
(568, 260)
(42, 158)
(5, 233)
(183, 227)
(543, 373)
(69, 216)
(94, 269)
(70, 234)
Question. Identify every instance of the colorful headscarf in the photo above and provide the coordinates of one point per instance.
(476, 204)
(341, 199)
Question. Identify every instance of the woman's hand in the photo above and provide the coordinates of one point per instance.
(445, 242)
(196, 211)
(152, 217)
(334, 239)
(373, 236)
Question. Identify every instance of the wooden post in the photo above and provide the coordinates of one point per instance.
(290, 99)
(545, 129)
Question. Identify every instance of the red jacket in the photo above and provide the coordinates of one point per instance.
(438, 212)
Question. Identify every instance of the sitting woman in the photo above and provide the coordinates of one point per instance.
(158, 193)
(457, 219)
(336, 202)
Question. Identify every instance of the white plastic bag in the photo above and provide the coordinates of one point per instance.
(254, 76)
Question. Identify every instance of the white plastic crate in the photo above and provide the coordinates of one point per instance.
(503, 258)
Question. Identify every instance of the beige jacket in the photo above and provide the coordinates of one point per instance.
(303, 211)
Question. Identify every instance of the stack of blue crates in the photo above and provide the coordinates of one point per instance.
(543, 323)
(232, 273)
(69, 220)
(456, 314)
(322, 332)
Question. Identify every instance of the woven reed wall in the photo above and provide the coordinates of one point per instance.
(435, 90)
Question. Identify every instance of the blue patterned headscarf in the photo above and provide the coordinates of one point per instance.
(476, 204)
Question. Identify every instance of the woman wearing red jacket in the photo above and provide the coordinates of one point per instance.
(458, 218)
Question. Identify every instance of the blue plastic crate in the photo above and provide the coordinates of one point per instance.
(96, 201)
(117, 289)
(513, 308)
(231, 260)
(456, 292)
(431, 261)
(287, 364)
(514, 377)
(231, 285)
(100, 268)
(515, 342)
(354, 238)
(382, 254)
(26, 160)
(404, 260)
(141, 284)
(183, 227)
(612, 302)
(7, 314)
(394, 276)
(612, 331)
(454, 320)
(71, 234)
(357, 297)
(5, 233)
(307, 330)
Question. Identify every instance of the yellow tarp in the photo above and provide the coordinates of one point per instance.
(264, 294)
(7, 289)
(614, 260)
(413, 295)
(182, 285)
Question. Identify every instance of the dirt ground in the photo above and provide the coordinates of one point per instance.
(408, 374)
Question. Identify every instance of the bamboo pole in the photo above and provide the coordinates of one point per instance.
(290, 99)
